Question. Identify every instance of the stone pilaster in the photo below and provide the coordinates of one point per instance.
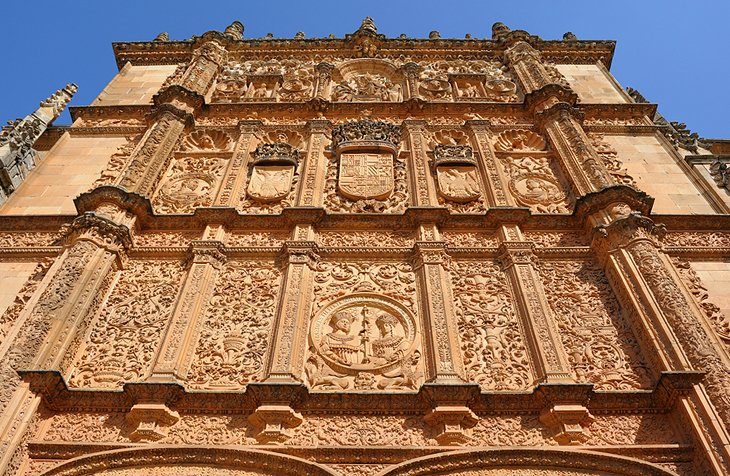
(424, 191)
(444, 360)
(286, 362)
(496, 182)
(410, 71)
(526, 63)
(175, 354)
(324, 77)
(629, 247)
(542, 334)
(579, 160)
(175, 107)
(58, 319)
(311, 193)
(235, 177)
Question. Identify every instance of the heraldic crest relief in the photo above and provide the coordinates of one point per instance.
(272, 171)
(456, 173)
(363, 342)
(366, 150)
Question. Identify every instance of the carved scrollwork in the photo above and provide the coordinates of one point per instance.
(534, 184)
(126, 333)
(610, 159)
(601, 347)
(494, 351)
(237, 327)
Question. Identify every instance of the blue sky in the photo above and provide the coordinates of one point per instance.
(672, 52)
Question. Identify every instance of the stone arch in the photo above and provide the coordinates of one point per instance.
(544, 462)
(188, 461)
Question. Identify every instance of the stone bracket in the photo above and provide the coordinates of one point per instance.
(451, 423)
(274, 423)
(151, 421)
(568, 423)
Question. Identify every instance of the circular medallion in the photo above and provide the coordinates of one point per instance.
(363, 332)
(537, 189)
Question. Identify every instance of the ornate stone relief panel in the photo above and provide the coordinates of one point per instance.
(457, 175)
(601, 346)
(609, 156)
(236, 326)
(493, 348)
(195, 172)
(698, 239)
(256, 238)
(359, 430)
(719, 321)
(166, 238)
(365, 239)
(552, 239)
(534, 179)
(468, 80)
(124, 335)
(287, 80)
(19, 239)
(117, 163)
(364, 80)
(273, 173)
(469, 239)
(366, 174)
(365, 332)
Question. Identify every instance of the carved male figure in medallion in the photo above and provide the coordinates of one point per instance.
(457, 173)
(364, 342)
(273, 171)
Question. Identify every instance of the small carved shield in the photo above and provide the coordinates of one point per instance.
(366, 175)
(459, 183)
(270, 182)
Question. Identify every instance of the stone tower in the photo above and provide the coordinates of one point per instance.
(361, 256)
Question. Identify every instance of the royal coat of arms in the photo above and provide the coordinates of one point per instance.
(272, 172)
(366, 175)
(457, 173)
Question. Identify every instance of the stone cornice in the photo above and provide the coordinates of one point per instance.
(174, 52)
(59, 397)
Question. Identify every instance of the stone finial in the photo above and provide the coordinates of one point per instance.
(569, 36)
(402, 36)
(162, 37)
(434, 35)
(57, 101)
(269, 36)
(234, 30)
(467, 36)
(499, 30)
(331, 36)
(368, 25)
(299, 35)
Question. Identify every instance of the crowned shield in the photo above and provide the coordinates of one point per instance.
(459, 183)
(270, 182)
(366, 175)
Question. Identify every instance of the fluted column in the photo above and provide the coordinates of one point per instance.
(173, 359)
(51, 326)
(543, 337)
(444, 362)
(311, 191)
(286, 361)
(552, 104)
(422, 185)
(410, 71)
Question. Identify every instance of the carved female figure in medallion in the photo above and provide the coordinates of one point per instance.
(363, 341)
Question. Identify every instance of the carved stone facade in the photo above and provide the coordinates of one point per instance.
(364, 255)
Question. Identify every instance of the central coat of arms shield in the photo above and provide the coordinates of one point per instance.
(366, 175)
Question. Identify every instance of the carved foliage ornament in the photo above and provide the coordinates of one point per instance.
(272, 172)
(366, 132)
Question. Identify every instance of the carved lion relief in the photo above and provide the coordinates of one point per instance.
(125, 334)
